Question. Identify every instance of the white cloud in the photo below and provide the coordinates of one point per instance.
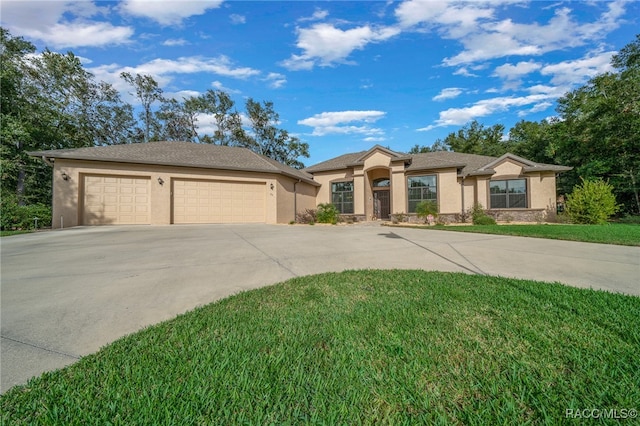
(175, 42)
(578, 71)
(220, 65)
(164, 70)
(485, 107)
(465, 72)
(46, 22)
(275, 80)
(219, 86)
(168, 12)
(340, 122)
(506, 38)
(237, 19)
(324, 44)
(448, 93)
(455, 19)
(514, 72)
(318, 15)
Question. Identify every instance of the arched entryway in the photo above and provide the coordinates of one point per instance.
(380, 182)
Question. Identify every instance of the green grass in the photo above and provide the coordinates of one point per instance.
(9, 233)
(360, 347)
(620, 234)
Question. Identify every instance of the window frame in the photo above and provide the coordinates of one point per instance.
(342, 202)
(517, 197)
(430, 190)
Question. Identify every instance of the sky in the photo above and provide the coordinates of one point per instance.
(345, 75)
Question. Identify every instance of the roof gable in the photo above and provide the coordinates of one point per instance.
(395, 156)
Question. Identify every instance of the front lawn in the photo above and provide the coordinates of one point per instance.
(614, 233)
(360, 347)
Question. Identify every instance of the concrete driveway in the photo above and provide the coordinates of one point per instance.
(67, 293)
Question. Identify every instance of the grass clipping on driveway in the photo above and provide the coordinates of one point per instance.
(360, 347)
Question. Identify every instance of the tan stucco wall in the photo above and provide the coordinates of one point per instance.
(398, 189)
(67, 194)
(302, 199)
(542, 191)
(469, 193)
(449, 194)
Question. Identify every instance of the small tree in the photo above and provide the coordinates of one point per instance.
(427, 208)
(592, 202)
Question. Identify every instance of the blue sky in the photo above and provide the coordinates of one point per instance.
(346, 75)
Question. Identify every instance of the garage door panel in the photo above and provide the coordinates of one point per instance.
(208, 201)
(115, 200)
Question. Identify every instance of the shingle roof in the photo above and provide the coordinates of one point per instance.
(182, 154)
(341, 162)
(469, 164)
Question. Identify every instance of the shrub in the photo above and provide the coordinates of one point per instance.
(484, 220)
(479, 217)
(327, 213)
(308, 216)
(15, 217)
(591, 202)
(427, 208)
(398, 217)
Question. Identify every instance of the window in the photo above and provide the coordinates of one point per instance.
(342, 196)
(421, 188)
(508, 194)
(381, 183)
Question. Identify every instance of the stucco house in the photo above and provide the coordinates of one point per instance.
(182, 182)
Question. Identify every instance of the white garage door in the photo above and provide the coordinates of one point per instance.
(115, 200)
(207, 201)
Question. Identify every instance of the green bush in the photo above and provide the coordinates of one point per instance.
(327, 213)
(591, 202)
(484, 220)
(426, 208)
(479, 217)
(15, 217)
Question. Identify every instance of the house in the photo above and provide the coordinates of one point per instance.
(182, 182)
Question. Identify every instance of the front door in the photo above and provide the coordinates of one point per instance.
(382, 204)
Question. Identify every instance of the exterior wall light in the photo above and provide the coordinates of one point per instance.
(271, 186)
(161, 181)
(65, 176)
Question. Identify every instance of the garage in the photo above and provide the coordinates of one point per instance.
(212, 201)
(115, 200)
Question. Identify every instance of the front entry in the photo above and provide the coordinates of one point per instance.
(382, 203)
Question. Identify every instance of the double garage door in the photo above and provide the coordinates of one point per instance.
(120, 200)
(209, 201)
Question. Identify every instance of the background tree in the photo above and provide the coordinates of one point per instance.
(601, 128)
(49, 101)
(219, 105)
(438, 145)
(266, 139)
(177, 122)
(475, 138)
(147, 91)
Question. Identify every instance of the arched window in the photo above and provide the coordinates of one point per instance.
(381, 183)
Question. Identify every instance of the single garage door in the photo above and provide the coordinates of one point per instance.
(208, 201)
(115, 200)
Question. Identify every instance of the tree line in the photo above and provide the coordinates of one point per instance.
(49, 101)
(596, 131)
